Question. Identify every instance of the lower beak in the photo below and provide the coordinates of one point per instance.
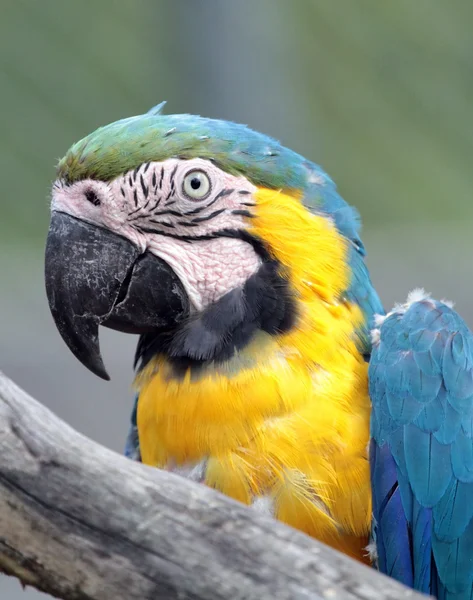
(96, 277)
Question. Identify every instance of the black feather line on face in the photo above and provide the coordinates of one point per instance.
(196, 211)
(243, 213)
(143, 186)
(212, 215)
(133, 213)
(222, 194)
(187, 224)
(157, 203)
(173, 173)
(166, 211)
(146, 205)
(265, 303)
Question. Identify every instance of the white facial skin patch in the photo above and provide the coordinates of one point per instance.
(177, 210)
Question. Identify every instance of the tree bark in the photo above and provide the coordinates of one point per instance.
(83, 523)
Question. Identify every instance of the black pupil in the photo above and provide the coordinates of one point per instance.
(195, 183)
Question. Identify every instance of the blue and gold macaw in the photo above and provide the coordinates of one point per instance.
(264, 351)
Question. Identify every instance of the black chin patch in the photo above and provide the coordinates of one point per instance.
(265, 303)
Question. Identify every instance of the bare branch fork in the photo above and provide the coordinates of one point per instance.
(83, 523)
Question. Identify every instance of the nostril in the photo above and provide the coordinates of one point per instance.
(92, 197)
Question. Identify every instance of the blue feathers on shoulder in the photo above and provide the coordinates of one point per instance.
(421, 387)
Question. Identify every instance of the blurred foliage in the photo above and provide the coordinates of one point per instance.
(392, 85)
(379, 93)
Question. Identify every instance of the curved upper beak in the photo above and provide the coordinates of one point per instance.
(96, 277)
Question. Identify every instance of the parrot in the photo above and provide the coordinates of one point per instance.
(266, 366)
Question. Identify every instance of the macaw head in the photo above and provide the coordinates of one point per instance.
(194, 233)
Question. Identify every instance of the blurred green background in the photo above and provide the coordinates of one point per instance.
(379, 93)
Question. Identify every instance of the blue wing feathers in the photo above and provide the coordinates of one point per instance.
(428, 465)
(393, 521)
(422, 550)
(450, 426)
(387, 505)
(453, 512)
(462, 457)
(432, 415)
(421, 387)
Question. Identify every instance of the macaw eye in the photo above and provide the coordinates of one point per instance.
(196, 185)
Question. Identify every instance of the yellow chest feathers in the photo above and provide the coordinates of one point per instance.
(284, 424)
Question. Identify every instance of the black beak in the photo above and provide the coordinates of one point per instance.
(95, 277)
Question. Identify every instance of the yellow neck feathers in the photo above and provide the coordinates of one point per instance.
(291, 424)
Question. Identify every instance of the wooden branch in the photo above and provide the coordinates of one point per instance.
(83, 523)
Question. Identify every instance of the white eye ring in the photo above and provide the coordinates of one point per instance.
(196, 185)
